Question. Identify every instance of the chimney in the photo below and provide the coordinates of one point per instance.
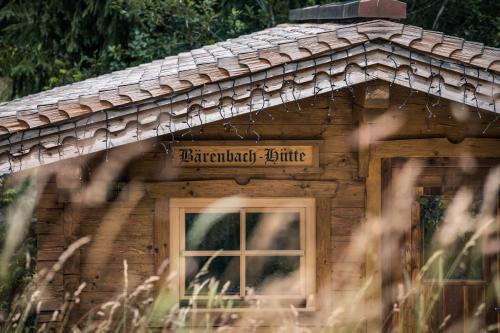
(354, 10)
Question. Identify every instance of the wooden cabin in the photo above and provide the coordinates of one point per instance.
(305, 126)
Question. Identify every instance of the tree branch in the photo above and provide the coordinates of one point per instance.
(440, 12)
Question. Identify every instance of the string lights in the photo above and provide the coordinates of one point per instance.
(291, 86)
(316, 89)
(170, 125)
(76, 139)
(428, 105)
(251, 121)
(40, 146)
(494, 104)
(346, 79)
(396, 65)
(189, 109)
(331, 101)
(293, 83)
(107, 135)
(410, 93)
(9, 154)
(474, 93)
(264, 99)
(409, 78)
(283, 84)
(21, 152)
(59, 142)
(440, 79)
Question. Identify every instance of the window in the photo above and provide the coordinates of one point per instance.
(455, 264)
(258, 249)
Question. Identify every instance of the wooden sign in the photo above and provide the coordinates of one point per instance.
(245, 156)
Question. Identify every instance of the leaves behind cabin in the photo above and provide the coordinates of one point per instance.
(49, 43)
(20, 268)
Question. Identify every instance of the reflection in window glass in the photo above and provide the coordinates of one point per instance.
(273, 231)
(212, 231)
(273, 275)
(222, 269)
(468, 266)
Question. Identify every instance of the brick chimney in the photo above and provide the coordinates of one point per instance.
(351, 10)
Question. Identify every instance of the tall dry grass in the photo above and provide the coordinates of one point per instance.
(152, 305)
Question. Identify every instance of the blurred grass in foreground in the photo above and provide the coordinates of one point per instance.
(153, 305)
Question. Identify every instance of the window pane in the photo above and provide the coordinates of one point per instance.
(222, 269)
(454, 266)
(273, 275)
(212, 231)
(273, 231)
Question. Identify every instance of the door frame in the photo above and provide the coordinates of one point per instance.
(379, 150)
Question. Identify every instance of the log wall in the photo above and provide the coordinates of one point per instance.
(137, 230)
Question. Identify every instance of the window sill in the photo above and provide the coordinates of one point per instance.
(252, 310)
(266, 317)
(455, 282)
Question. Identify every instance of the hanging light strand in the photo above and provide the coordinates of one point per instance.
(259, 104)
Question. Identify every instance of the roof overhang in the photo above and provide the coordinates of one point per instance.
(221, 101)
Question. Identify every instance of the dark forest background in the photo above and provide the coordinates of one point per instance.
(47, 43)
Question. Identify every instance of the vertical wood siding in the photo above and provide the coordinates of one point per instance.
(338, 214)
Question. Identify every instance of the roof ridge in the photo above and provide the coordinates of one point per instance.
(89, 132)
(236, 57)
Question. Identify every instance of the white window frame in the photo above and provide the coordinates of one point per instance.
(307, 209)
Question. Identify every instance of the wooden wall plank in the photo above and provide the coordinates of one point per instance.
(50, 245)
(373, 264)
(255, 188)
(335, 184)
(161, 231)
(323, 249)
(71, 234)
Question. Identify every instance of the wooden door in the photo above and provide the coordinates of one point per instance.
(451, 265)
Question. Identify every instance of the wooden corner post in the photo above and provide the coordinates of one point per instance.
(370, 100)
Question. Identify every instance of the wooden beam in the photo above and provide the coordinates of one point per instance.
(363, 141)
(161, 231)
(323, 251)
(45, 145)
(373, 264)
(255, 188)
(373, 95)
(371, 99)
(439, 147)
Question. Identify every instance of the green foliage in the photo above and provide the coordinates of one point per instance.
(432, 215)
(466, 266)
(48, 43)
(22, 263)
(474, 20)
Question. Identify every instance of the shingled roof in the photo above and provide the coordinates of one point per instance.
(261, 63)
